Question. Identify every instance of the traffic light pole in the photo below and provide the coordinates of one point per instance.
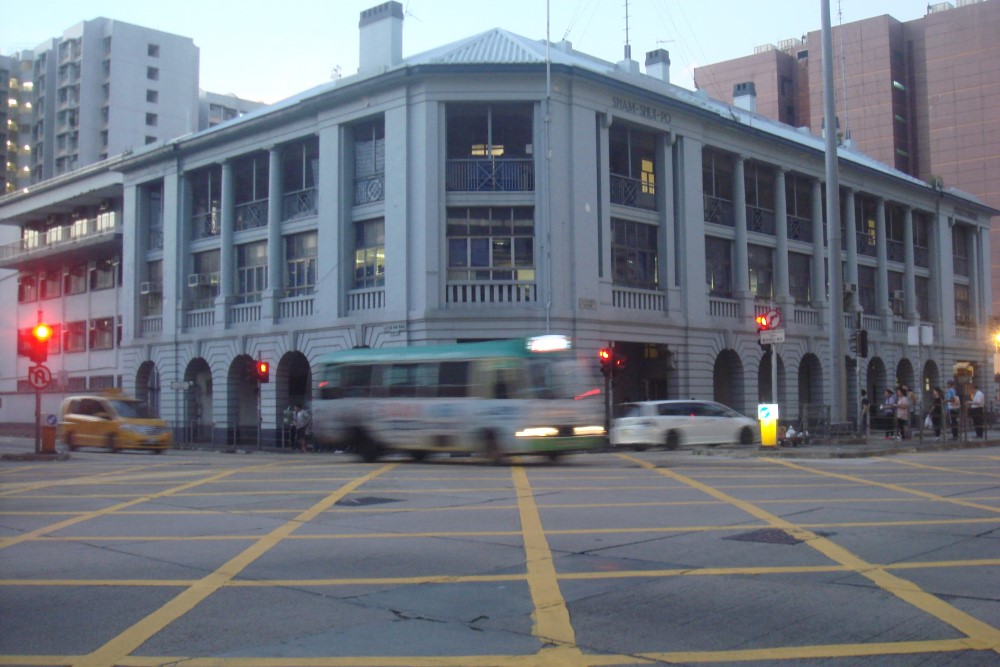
(38, 421)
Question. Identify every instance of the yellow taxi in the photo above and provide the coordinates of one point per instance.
(111, 421)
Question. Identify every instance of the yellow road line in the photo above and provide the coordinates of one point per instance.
(10, 489)
(113, 651)
(981, 633)
(960, 471)
(552, 622)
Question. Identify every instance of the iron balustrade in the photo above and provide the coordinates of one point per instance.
(866, 244)
(894, 251)
(369, 189)
(491, 175)
(719, 211)
(52, 239)
(251, 215)
(206, 225)
(632, 192)
(800, 229)
(760, 220)
(298, 204)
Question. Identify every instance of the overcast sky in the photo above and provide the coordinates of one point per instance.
(267, 50)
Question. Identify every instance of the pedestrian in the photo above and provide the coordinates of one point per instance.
(952, 406)
(865, 412)
(888, 412)
(288, 423)
(902, 413)
(977, 409)
(937, 410)
(303, 422)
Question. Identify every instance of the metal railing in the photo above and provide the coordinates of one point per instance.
(719, 211)
(632, 192)
(369, 189)
(298, 204)
(251, 215)
(65, 235)
(490, 175)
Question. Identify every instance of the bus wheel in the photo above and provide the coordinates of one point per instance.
(418, 454)
(366, 447)
(491, 448)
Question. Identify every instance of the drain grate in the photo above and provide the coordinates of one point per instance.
(363, 501)
(766, 536)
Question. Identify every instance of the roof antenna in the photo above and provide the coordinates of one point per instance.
(628, 47)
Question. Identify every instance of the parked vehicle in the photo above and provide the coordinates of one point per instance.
(111, 421)
(673, 424)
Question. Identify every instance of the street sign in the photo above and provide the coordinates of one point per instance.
(39, 377)
(772, 336)
(179, 385)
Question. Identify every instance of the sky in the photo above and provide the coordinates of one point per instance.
(267, 51)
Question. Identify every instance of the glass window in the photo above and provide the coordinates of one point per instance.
(718, 266)
(75, 280)
(491, 243)
(75, 337)
(489, 130)
(27, 288)
(760, 260)
(251, 271)
(153, 298)
(300, 264)
(963, 306)
(634, 254)
(102, 333)
(369, 253)
(206, 195)
(103, 274)
(800, 277)
(203, 284)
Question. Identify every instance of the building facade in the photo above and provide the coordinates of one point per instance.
(922, 96)
(491, 188)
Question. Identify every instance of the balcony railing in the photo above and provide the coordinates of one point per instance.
(894, 251)
(496, 175)
(760, 220)
(207, 224)
(251, 215)
(492, 293)
(152, 325)
(244, 312)
(800, 229)
(369, 189)
(56, 239)
(638, 299)
(298, 204)
(720, 307)
(632, 192)
(719, 211)
(372, 298)
(866, 244)
(293, 307)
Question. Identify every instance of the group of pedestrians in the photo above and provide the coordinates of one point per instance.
(945, 410)
(298, 426)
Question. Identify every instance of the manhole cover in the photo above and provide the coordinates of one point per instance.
(766, 536)
(365, 500)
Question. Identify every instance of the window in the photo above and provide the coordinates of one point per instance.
(151, 119)
(103, 274)
(153, 73)
(300, 264)
(960, 250)
(152, 96)
(866, 288)
(895, 282)
(75, 337)
(51, 282)
(491, 243)
(963, 307)
(489, 147)
(369, 253)
(299, 167)
(369, 162)
(251, 185)
(153, 50)
(150, 139)
(27, 288)
(634, 254)
(251, 271)
(717, 187)
(760, 261)
(759, 182)
(75, 280)
(800, 277)
(718, 266)
(206, 193)
(632, 163)
(153, 299)
(102, 333)
(923, 297)
(204, 282)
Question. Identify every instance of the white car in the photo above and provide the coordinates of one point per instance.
(673, 424)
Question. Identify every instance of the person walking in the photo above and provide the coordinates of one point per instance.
(302, 427)
(288, 423)
(902, 413)
(952, 406)
(977, 409)
(888, 412)
(937, 410)
(866, 407)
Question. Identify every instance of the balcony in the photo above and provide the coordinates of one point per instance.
(298, 204)
(630, 298)
(82, 237)
(800, 229)
(497, 175)
(251, 215)
(760, 220)
(491, 293)
(369, 189)
(633, 192)
(719, 211)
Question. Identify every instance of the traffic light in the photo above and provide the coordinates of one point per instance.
(37, 342)
(263, 372)
(607, 358)
(768, 320)
(863, 344)
(852, 342)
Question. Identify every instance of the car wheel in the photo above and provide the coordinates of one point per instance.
(673, 440)
(69, 442)
(746, 436)
(112, 443)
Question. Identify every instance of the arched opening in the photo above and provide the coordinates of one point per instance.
(811, 395)
(764, 393)
(243, 404)
(147, 386)
(728, 385)
(294, 387)
(197, 413)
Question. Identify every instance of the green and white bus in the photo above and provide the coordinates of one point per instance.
(497, 398)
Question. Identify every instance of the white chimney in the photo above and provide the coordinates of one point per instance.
(381, 37)
(658, 64)
(745, 96)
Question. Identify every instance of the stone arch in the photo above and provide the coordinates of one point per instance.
(197, 410)
(243, 402)
(810, 382)
(764, 394)
(728, 382)
(147, 386)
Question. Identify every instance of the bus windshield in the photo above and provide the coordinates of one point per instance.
(559, 377)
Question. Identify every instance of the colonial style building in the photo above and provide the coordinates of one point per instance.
(490, 188)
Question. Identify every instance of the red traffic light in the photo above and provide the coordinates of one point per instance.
(263, 371)
(42, 332)
(768, 320)
(34, 343)
(610, 362)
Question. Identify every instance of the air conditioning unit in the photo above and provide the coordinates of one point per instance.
(197, 279)
(850, 288)
(897, 295)
(149, 288)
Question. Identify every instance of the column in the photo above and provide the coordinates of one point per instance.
(819, 247)
(909, 278)
(882, 272)
(781, 294)
(741, 271)
(851, 237)
(227, 254)
(270, 308)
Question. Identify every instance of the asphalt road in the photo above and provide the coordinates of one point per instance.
(232, 560)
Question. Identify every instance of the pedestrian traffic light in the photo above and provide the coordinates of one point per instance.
(37, 343)
(263, 372)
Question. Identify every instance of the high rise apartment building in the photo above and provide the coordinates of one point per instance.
(922, 96)
(106, 87)
(15, 122)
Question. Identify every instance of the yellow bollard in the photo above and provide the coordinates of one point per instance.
(767, 415)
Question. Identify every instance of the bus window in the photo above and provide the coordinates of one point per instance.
(345, 381)
(453, 378)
